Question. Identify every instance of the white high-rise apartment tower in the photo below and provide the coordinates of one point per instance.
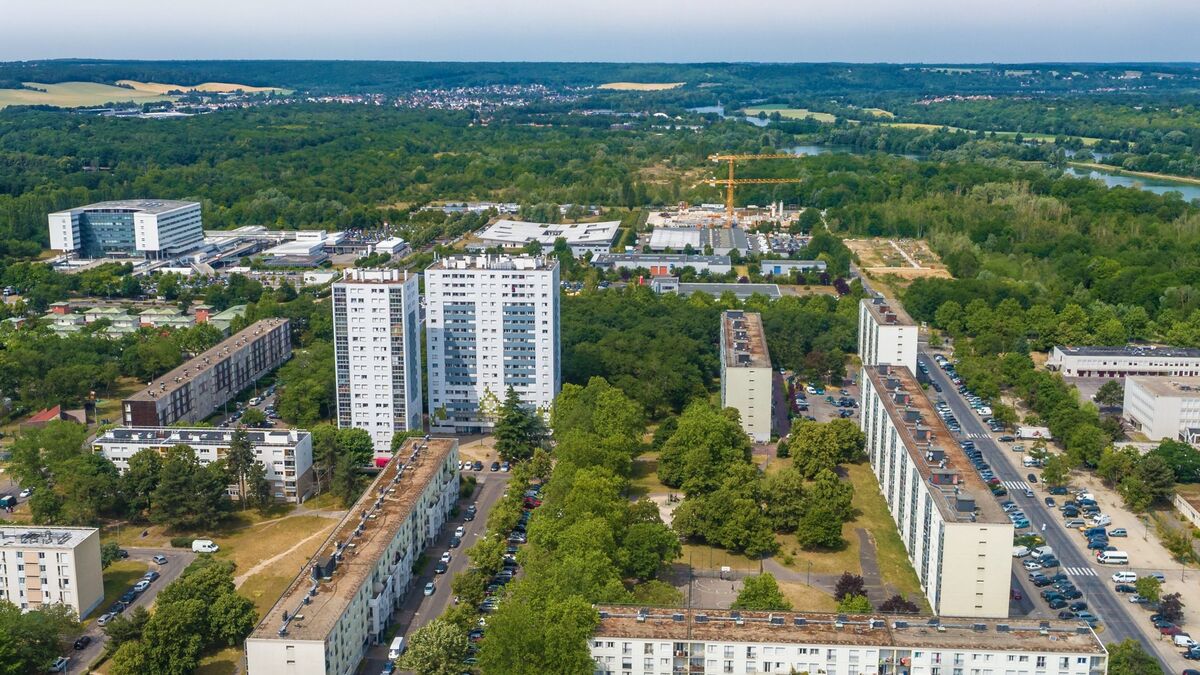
(377, 353)
(492, 322)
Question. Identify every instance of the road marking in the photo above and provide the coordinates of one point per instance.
(1081, 571)
(1015, 484)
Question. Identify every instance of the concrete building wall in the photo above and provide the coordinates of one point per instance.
(1157, 417)
(36, 574)
(882, 343)
(1148, 362)
(972, 557)
(749, 391)
(295, 657)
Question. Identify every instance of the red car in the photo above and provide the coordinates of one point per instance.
(532, 502)
(1170, 630)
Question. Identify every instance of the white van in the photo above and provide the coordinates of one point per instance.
(204, 546)
(1102, 520)
(1184, 640)
(396, 649)
(1042, 551)
(1028, 461)
(1124, 577)
(1020, 551)
(1114, 558)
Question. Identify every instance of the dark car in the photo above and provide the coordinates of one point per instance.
(1125, 588)
(477, 466)
(440, 568)
(1073, 593)
(495, 466)
(1070, 512)
(1057, 603)
(1058, 490)
(118, 607)
(1097, 544)
(129, 596)
(82, 642)
(1049, 562)
(122, 553)
(1041, 582)
(1077, 606)
(1032, 478)
(1066, 614)
(1049, 501)
(454, 542)
(1170, 630)
(469, 516)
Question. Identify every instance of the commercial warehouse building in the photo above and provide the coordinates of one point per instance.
(721, 239)
(156, 229)
(662, 264)
(377, 354)
(285, 453)
(343, 600)
(956, 535)
(1164, 407)
(491, 322)
(594, 238)
(1124, 361)
(656, 641)
(746, 376)
(786, 267)
(886, 334)
(196, 389)
(42, 566)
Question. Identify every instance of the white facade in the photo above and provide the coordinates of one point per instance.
(886, 335)
(492, 322)
(1162, 407)
(285, 453)
(786, 267)
(1124, 361)
(660, 264)
(632, 641)
(40, 566)
(583, 238)
(746, 375)
(957, 537)
(157, 229)
(344, 601)
(377, 353)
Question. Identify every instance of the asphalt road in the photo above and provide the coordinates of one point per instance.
(177, 560)
(1097, 590)
(419, 609)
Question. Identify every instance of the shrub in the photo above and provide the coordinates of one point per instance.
(181, 542)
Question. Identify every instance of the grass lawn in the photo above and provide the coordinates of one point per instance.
(118, 578)
(265, 586)
(808, 598)
(644, 480)
(789, 113)
(158, 536)
(257, 543)
(879, 112)
(224, 662)
(874, 516)
(323, 502)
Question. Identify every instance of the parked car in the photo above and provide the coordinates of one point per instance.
(455, 542)
(477, 466)
(460, 531)
(105, 618)
(1125, 588)
(1118, 532)
(440, 568)
(60, 664)
(151, 576)
(429, 588)
(1124, 577)
(1138, 599)
(82, 642)
(141, 586)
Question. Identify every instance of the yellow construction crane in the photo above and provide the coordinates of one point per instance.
(731, 181)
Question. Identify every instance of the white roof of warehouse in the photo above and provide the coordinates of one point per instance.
(516, 232)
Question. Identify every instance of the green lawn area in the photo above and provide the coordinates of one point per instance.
(808, 598)
(118, 578)
(265, 586)
(256, 543)
(789, 113)
(224, 662)
(644, 480)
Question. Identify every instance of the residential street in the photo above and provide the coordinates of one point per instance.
(1090, 577)
(419, 609)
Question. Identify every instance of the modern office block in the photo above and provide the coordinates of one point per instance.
(156, 229)
(41, 566)
(746, 377)
(582, 238)
(1164, 407)
(377, 353)
(1124, 361)
(198, 388)
(343, 600)
(285, 453)
(662, 264)
(657, 641)
(886, 335)
(492, 322)
(957, 536)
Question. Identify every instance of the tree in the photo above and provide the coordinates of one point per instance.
(239, 458)
(1055, 470)
(253, 417)
(524, 639)
(849, 584)
(829, 492)
(324, 442)
(437, 648)
(1151, 481)
(1110, 394)
(231, 617)
(189, 496)
(30, 641)
(1149, 588)
(707, 442)
(346, 483)
(140, 480)
(518, 430)
(820, 528)
(1129, 658)
(898, 604)
(356, 444)
(260, 491)
(175, 636)
(131, 658)
(1171, 607)
(761, 593)
(816, 446)
(854, 604)
(786, 498)
(1183, 458)
(125, 628)
(646, 547)
(109, 554)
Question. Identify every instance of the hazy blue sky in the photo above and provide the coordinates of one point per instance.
(605, 30)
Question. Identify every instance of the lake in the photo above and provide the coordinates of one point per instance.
(1157, 186)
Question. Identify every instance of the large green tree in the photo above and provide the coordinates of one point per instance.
(761, 593)
(189, 496)
(437, 648)
(706, 444)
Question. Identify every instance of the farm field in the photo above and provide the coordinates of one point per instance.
(1031, 136)
(76, 95)
(641, 86)
(160, 88)
(790, 113)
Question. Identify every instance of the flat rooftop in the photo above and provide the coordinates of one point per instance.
(1178, 387)
(372, 276)
(745, 342)
(887, 313)
(154, 206)
(495, 262)
(677, 259)
(933, 449)
(742, 291)
(900, 632)
(162, 386)
(520, 232)
(380, 513)
(44, 537)
(1132, 351)
(198, 436)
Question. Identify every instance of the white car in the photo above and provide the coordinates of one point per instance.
(1031, 565)
(446, 557)
(26, 492)
(1020, 551)
(429, 588)
(460, 531)
(204, 546)
(105, 618)
(256, 400)
(1124, 577)
(1042, 551)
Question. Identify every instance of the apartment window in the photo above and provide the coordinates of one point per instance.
(1041, 662)
(1064, 662)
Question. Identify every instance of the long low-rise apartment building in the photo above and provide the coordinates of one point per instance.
(343, 600)
(1124, 361)
(1164, 407)
(196, 389)
(663, 264)
(886, 334)
(956, 534)
(286, 454)
(42, 566)
(643, 641)
(746, 375)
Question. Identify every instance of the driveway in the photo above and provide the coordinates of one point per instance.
(177, 560)
(417, 609)
(1088, 576)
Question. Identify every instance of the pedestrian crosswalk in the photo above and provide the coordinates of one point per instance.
(1080, 571)
(976, 434)
(1016, 484)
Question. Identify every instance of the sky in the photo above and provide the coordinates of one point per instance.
(605, 30)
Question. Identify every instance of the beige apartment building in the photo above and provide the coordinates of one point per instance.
(886, 334)
(746, 377)
(41, 566)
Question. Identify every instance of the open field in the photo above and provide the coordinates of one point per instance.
(789, 113)
(641, 86)
(1027, 135)
(254, 544)
(224, 662)
(160, 88)
(879, 112)
(117, 579)
(905, 258)
(76, 95)
(807, 598)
